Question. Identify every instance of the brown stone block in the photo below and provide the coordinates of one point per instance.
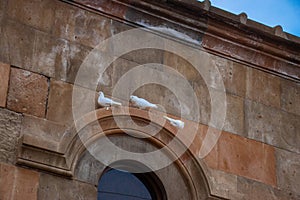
(204, 100)
(182, 66)
(18, 183)
(28, 92)
(288, 170)
(234, 121)
(41, 127)
(60, 102)
(72, 59)
(79, 25)
(50, 55)
(52, 187)
(61, 106)
(233, 75)
(36, 13)
(290, 96)
(244, 157)
(4, 79)
(10, 127)
(263, 87)
(272, 126)
(250, 190)
(3, 5)
(290, 126)
(17, 42)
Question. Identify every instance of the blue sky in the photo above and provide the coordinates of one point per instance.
(269, 12)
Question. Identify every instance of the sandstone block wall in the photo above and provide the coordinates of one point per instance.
(44, 42)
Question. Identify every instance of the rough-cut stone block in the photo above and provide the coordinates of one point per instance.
(79, 25)
(250, 190)
(60, 102)
(17, 42)
(4, 79)
(36, 13)
(288, 170)
(10, 127)
(290, 96)
(272, 126)
(89, 169)
(244, 157)
(233, 75)
(290, 126)
(204, 101)
(223, 184)
(262, 122)
(263, 87)
(18, 183)
(182, 67)
(50, 55)
(3, 5)
(28, 92)
(72, 60)
(52, 187)
(62, 108)
(42, 128)
(234, 122)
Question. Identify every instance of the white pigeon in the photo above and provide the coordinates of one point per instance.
(141, 103)
(106, 102)
(175, 122)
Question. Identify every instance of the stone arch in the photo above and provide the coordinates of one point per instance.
(70, 157)
(188, 167)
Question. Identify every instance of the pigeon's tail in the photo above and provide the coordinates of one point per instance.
(166, 118)
(116, 103)
(155, 106)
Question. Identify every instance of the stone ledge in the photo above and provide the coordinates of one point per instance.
(212, 25)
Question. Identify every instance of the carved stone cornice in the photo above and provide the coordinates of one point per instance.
(232, 36)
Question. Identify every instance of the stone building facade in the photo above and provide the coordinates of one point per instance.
(51, 146)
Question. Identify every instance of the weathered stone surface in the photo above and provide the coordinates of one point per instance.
(62, 108)
(52, 187)
(3, 5)
(28, 92)
(60, 102)
(288, 170)
(290, 96)
(4, 79)
(17, 42)
(42, 128)
(234, 122)
(89, 169)
(272, 126)
(233, 75)
(262, 122)
(223, 184)
(250, 190)
(204, 100)
(18, 183)
(290, 126)
(82, 26)
(50, 55)
(36, 13)
(72, 60)
(263, 87)
(244, 157)
(182, 66)
(10, 127)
